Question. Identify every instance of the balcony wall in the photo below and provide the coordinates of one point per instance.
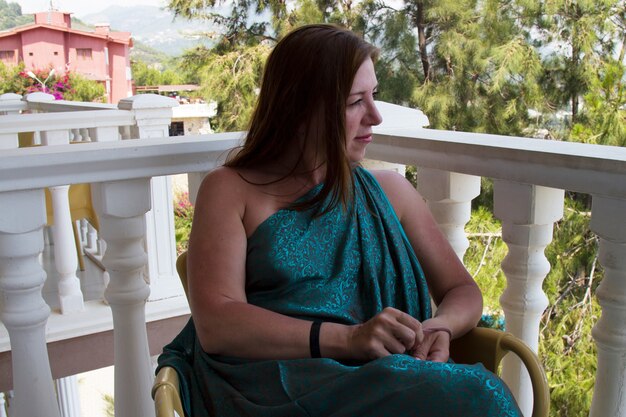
(530, 178)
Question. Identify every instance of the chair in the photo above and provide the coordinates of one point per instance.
(79, 198)
(487, 346)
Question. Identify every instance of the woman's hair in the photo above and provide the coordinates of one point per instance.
(306, 82)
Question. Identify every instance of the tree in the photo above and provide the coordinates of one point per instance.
(11, 15)
(144, 74)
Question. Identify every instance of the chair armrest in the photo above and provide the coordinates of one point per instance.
(489, 346)
(166, 394)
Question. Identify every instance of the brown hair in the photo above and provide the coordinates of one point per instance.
(307, 78)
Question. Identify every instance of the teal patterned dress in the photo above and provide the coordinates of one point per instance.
(344, 267)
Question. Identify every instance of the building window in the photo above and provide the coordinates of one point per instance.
(83, 53)
(7, 55)
(56, 53)
(177, 129)
(30, 54)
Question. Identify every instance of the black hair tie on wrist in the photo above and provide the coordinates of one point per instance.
(314, 339)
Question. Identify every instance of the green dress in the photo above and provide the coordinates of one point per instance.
(344, 267)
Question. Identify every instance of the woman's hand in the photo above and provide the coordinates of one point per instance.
(390, 331)
(435, 346)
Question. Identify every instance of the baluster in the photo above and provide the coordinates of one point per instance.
(84, 135)
(92, 238)
(23, 310)
(82, 226)
(121, 207)
(124, 132)
(608, 221)
(74, 135)
(528, 213)
(65, 257)
(3, 405)
(67, 393)
(153, 114)
(449, 196)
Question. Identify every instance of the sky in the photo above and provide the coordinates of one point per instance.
(80, 7)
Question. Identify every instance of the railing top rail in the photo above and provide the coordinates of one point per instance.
(586, 168)
(64, 105)
(66, 120)
(591, 169)
(45, 166)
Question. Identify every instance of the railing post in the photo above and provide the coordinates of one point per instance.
(608, 221)
(153, 114)
(9, 104)
(121, 207)
(449, 196)
(528, 213)
(23, 310)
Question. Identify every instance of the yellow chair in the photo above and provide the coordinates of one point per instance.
(487, 346)
(80, 202)
(80, 208)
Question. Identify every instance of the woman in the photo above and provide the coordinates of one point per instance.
(306, 291)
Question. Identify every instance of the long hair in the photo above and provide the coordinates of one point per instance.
(306, 82)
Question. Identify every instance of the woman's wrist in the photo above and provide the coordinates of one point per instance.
(314, 339)
(333, 339)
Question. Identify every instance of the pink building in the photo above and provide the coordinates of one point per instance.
(102, 55)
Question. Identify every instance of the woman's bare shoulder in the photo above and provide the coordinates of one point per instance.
(223, 187)
(399, 191)
(394, 184)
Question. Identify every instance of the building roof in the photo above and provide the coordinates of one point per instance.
(118, 37)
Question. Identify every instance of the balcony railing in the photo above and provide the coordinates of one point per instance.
(530, 178)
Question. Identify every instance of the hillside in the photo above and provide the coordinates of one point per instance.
(153, 27)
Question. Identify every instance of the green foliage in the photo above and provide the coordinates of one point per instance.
(10, 79)
(11, 15)
(85, 90)
(149, 75)
(232, 79)
(183, 218)
(109, 408)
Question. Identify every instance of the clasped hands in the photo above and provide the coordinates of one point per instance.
(393, 331)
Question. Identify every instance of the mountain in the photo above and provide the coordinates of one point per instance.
(154, 27)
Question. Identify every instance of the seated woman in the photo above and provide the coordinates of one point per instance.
(309, 277)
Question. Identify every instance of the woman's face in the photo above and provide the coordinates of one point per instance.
(361, 112)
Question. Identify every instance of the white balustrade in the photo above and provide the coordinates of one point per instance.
(23, 310)
(122, 206)
(449, 196)
(67, 394)
(608, 221)
(528, 213)
(153, 114)
(3, 405)
(528, 199)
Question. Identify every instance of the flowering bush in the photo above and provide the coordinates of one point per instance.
(183, 217)
(69, 86)
(56, 85)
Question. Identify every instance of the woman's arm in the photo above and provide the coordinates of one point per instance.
(458, 298)
(226, 324)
